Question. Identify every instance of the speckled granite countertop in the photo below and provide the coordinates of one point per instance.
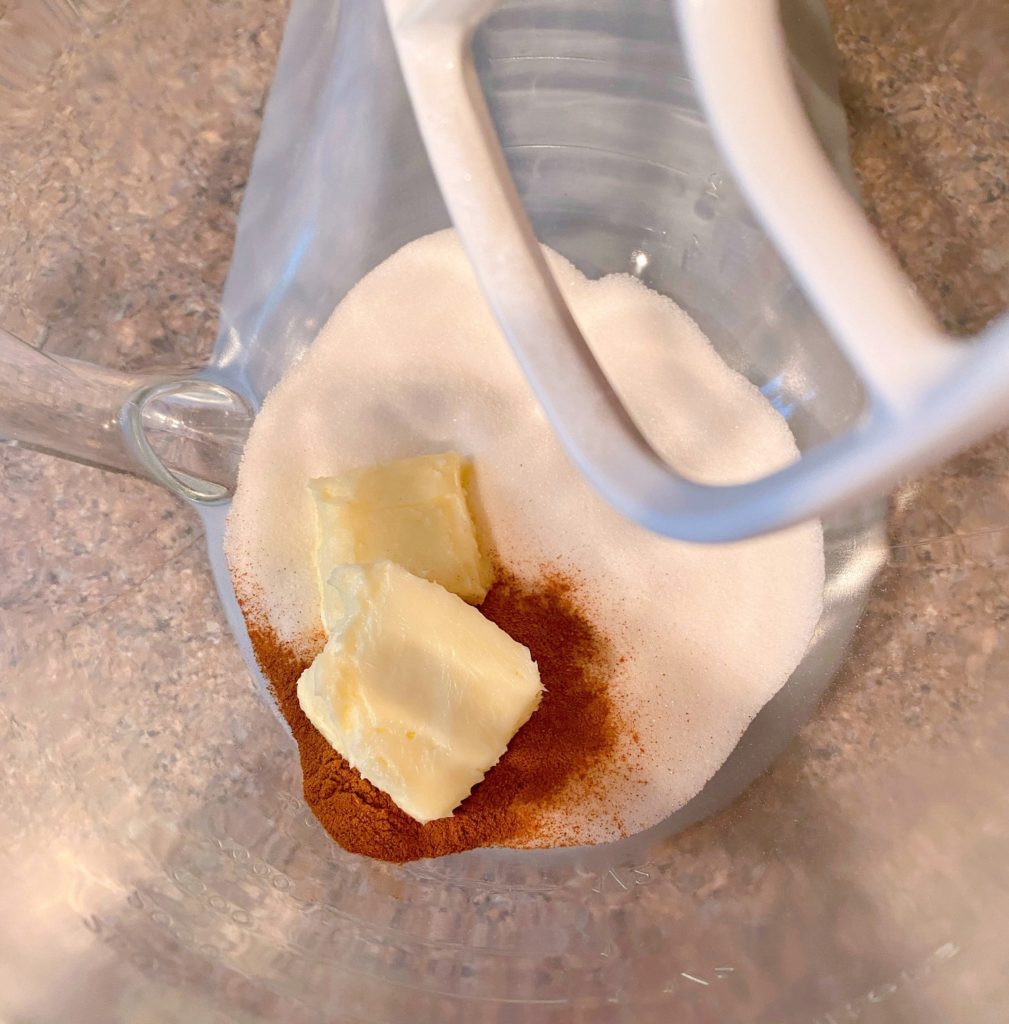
(116, 562)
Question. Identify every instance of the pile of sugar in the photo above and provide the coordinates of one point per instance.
(412, 362)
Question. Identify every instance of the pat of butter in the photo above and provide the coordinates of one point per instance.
(413, 512)
(415, 688)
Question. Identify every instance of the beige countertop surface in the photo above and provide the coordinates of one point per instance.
(113, 561)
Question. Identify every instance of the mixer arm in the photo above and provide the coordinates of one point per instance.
(927, 395)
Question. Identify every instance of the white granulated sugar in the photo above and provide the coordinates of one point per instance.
(412, 362)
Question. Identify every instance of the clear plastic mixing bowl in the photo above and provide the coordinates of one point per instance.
(159, 862)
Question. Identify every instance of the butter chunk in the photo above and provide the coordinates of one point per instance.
(415, 688)
(413, 512)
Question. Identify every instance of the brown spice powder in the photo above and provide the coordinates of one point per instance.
(553, 761)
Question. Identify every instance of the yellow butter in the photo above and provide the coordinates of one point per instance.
(415, 688)
(413, 512)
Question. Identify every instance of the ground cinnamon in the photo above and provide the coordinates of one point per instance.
(550, 761)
